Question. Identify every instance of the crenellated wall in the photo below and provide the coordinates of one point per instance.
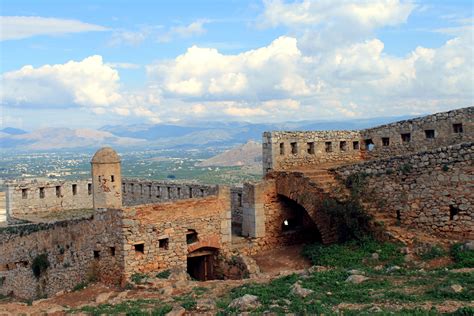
(137, 192)
(290, 150)
(419, 134)
(24, 197)
(430, 190)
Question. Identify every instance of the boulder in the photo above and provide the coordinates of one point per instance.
(103, 297)
(356, 278)
(245, 302)
(176, 311)
(298, 290)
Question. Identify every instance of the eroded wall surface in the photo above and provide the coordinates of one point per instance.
(432, 190)
(155, 235)
(76, 251)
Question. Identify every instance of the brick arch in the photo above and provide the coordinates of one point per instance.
(212, 241)
(296, 187)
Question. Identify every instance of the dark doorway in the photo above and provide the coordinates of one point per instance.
(200, 264)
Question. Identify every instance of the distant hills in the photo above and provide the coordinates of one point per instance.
(248, 154)
(161, 136)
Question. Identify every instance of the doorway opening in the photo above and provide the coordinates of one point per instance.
(200, 264)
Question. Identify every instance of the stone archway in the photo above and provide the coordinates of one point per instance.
(298, 188)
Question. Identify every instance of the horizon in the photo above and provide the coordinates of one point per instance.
(92, 64)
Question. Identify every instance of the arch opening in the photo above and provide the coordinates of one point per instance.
(296, 224)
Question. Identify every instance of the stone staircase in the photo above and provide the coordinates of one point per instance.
(322, 178)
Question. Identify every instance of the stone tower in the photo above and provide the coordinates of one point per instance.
(106, 179)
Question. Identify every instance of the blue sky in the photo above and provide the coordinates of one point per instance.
(116, 62)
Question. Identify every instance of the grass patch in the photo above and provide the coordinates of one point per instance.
(187, 301)
(463, 258)
(353, 254)
(80, 286)
(136, 307)
(40, 264)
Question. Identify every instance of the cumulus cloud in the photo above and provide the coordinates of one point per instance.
(20, 27)
(260, 74)
(90, 84)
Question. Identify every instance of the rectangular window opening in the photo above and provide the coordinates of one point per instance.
(453, 211)
(149, 190)
(74, 189)
(385, 141)
(294, 148)
(96, 254)
(158, 192)
(355, 145)
(163, 243)
(343, 146)
(179, 192)
(139, 248)
(202, 192)
(112, 178)
(406, 137)
(239, 199)
(190, 193)
(89, 188)
(112, 251)
(41, 193)
(282, 148)
(429, 133)
(328, 147)
(369, 144)
(457, 128)
(24, 193)
(58, 191)
(168, 189)
(311, 148)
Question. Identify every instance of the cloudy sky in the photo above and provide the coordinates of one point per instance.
(92, 63)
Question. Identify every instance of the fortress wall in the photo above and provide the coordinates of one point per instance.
(163, 229)
(288, 150)
(431, 190)
(419, 134)
(136, 192)
(24, 198)
(77, 250)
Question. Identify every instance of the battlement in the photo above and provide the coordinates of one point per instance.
(292, 150)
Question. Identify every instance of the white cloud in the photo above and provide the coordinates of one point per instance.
(260, 74)
(124, 65)
(20, 27)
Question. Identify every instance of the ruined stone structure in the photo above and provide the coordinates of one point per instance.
(418, 177)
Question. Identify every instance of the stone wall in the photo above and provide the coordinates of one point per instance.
(419, 134)
(156, 236)
(77, 250)
(289, 150)
(136, 192)
(431, 190)
(293, 150)
(24, 198)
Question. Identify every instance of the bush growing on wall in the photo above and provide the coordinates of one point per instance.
(40, 264)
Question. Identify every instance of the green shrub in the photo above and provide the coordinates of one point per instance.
(350, 218)
(40, 264)
(463, 258)
(163, 274)
(463, 311)
(138, 277)
(80, 286)
(406, 168)
(356, 182)
(434, 252)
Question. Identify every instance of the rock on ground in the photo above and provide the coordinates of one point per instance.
(297, 289)
(356, 278)
(177, 311)
(245, 302)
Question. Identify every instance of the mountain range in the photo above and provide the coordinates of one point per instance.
(165, 136)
